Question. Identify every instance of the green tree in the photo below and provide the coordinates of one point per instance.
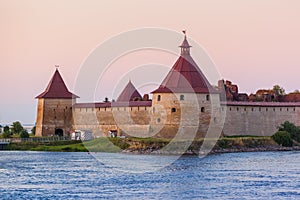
(6, 129)
(278, 90)
(24, 134)
(283, 138)
(33, 130)
(292, 129)
(17, 128)
(6, 134)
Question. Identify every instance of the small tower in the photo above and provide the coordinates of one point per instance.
(185, 46)
(129, 93)
(54, 111)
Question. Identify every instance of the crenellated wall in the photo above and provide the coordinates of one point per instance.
(168, 117)
(260, 119)
(182, 115)
(126, 120)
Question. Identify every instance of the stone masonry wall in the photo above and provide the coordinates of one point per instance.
(54, 114)
(126, 120)
(258, 120)
(184, 115)
(174, 115)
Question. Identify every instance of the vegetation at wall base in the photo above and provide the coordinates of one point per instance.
(47, 146)
(104, 144)
(283, 138)
(292, 129)
(287, 134)
(149, 145)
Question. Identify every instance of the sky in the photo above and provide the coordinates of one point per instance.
(253, 43)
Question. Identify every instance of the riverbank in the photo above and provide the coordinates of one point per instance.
(157, 146)
(221, 145)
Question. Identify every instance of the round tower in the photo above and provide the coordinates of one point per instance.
(185, 99)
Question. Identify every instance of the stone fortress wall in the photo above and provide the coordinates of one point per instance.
(162, 117)
(241, 118)
(258, 118)
(185, 105)
(101, 120)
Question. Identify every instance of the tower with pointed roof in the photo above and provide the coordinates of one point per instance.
(54, 110)
(184, 92)
(129, 93)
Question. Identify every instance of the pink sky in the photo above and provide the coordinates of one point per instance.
(254, 43)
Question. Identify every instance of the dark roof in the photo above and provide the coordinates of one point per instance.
(129, 93)
(57, 89)
(185, 76)
(261, 104)
(114, 104)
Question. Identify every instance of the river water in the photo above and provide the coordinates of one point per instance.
(50, 175)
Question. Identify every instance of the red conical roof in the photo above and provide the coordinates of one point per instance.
(185, 76)
(129, 93)
(57, 89)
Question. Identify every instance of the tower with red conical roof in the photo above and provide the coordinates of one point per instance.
(184, 97)
(54, 110)
(129, 93)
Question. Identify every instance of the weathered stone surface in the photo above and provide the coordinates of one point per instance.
(53, 114)
(258, 120)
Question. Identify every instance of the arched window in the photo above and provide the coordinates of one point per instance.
(202, 109)
(158, 98)
(158, 120)
(181, 97)
(173, 110)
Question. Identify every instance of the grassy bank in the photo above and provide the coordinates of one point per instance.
(153, 145)
(97, 145)
(48, 146)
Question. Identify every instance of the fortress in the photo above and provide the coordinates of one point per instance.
(185, 105)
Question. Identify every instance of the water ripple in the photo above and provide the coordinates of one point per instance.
(50, 175)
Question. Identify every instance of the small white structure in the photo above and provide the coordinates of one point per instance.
(83, 135)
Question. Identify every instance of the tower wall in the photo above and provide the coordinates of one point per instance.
(54, 114)
(40, 117)
(185, 115)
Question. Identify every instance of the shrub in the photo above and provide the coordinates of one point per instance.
(283, 138)
(223, 143)
(292, 129)
(6, 135)
(24, 134)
